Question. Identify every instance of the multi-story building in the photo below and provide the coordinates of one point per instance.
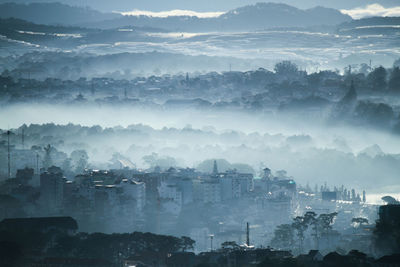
(170, 192)
(211, 191)
(52, 190)
(135, 190)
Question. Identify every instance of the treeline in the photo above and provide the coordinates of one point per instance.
(292, 236)
(381, 238)
(47, 73)
(23, 247)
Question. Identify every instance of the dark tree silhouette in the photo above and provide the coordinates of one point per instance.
(187, 243)
(286, 68)
(377, 79)
(394, 80)
(283, 237)
(300, 224)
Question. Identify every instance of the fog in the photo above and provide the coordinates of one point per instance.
(311, 151)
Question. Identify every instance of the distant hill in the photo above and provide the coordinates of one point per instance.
(24, 31)
(328, 16)
(53, 13)
(374, 25)
(371, 21)
(63, 36)
(13, 25)
(252, 17)
(266, 15)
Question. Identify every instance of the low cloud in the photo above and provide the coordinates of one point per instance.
(172, 13)
(374, 10)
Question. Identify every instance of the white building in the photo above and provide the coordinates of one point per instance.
(235, 185)
(211, 191)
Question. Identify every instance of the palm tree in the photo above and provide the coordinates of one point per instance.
(300, 224)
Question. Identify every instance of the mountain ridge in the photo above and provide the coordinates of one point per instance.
(53, 13)
(250, 17)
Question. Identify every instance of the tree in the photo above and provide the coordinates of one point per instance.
(47, 162)
(10, 253)
(286, 68)
(10, 207)
(283, 236)
(151, 160)
(364, 69)
(394, 80)
(351, 95)
(314, 80)
(311, 219)
(396, 63)
(67, 165)
(326, 221)
(379, 114)
(80, 160)
(390, 200)
(347, 104)
(300, 225)
(387, 230)
(113, 246)
(187, 243)
(377, 79)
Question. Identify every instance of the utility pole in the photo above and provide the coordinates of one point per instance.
(8, 154)
(211, 241)
(247, 235)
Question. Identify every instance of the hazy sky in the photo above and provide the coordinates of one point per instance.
(209, 5)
